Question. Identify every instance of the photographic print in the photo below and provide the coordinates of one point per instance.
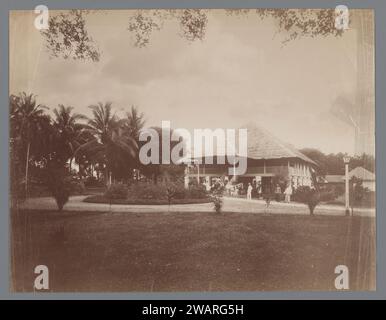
(192, 150)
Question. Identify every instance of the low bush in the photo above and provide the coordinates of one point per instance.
(59, 184)
(143, 190)
(196, 192)
(308, 196)
(150, 193)
(217, 193)
(166, 190)
(93, 182)
(327, 196)
(116, 191)
(77, 187)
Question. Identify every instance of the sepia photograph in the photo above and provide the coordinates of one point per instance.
(192, 150)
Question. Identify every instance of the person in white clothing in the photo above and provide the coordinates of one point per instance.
(249, 191)
(288, 193)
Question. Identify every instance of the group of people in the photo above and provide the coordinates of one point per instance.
(278, 191)
(254, 189)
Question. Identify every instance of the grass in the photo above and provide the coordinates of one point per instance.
(191, 251)
(103, 199)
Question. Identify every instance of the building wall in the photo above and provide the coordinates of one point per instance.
(296, 170)
(300, 174)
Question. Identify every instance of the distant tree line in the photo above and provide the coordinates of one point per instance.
(332, 164)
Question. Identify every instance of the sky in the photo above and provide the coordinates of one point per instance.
(241, 72)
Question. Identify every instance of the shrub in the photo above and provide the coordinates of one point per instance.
(59, 185)
(196, 191)
(217, 197)
(143, 190)
(217, 201)
(309, 196)
(116, 191)
(165, 190)
(327, 195)
(77, 187)
(93, 182)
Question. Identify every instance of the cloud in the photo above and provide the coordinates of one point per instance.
(238, 73)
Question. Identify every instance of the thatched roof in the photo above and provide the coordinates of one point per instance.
(264, 145)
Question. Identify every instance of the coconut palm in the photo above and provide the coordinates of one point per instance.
(135, 122)
(29, 124)
(111, 142)
(71, 134)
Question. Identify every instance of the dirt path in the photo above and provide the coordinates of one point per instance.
(230, 204)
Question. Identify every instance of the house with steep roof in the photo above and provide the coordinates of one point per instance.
(267, 157)
(367, 177)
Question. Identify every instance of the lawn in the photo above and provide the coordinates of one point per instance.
(191, 251)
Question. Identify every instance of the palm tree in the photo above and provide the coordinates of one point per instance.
(71, 134)
(135, 122)
(28, 122)
(111, 142)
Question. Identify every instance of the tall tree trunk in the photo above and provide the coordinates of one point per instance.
(26, 169)
(70, 165)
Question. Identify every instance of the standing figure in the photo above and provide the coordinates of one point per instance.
(288, 193)
(249, 191)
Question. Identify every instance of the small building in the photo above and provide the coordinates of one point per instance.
(367, 177)
(267, 157)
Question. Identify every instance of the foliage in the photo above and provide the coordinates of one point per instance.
(30, 135)
(218, 202)
(135, 122)
(333, 163)
(70, 134)
(280, 178)
(153, 171)
(217, 193)
(309, 196)
(357, 191)
(165, 190)
(58, 182)
(196, 191)
(359, 195)
(327, 196)
(116, 191)
(78, 187)
(92, 182)
(67, 36)
(110, 142)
